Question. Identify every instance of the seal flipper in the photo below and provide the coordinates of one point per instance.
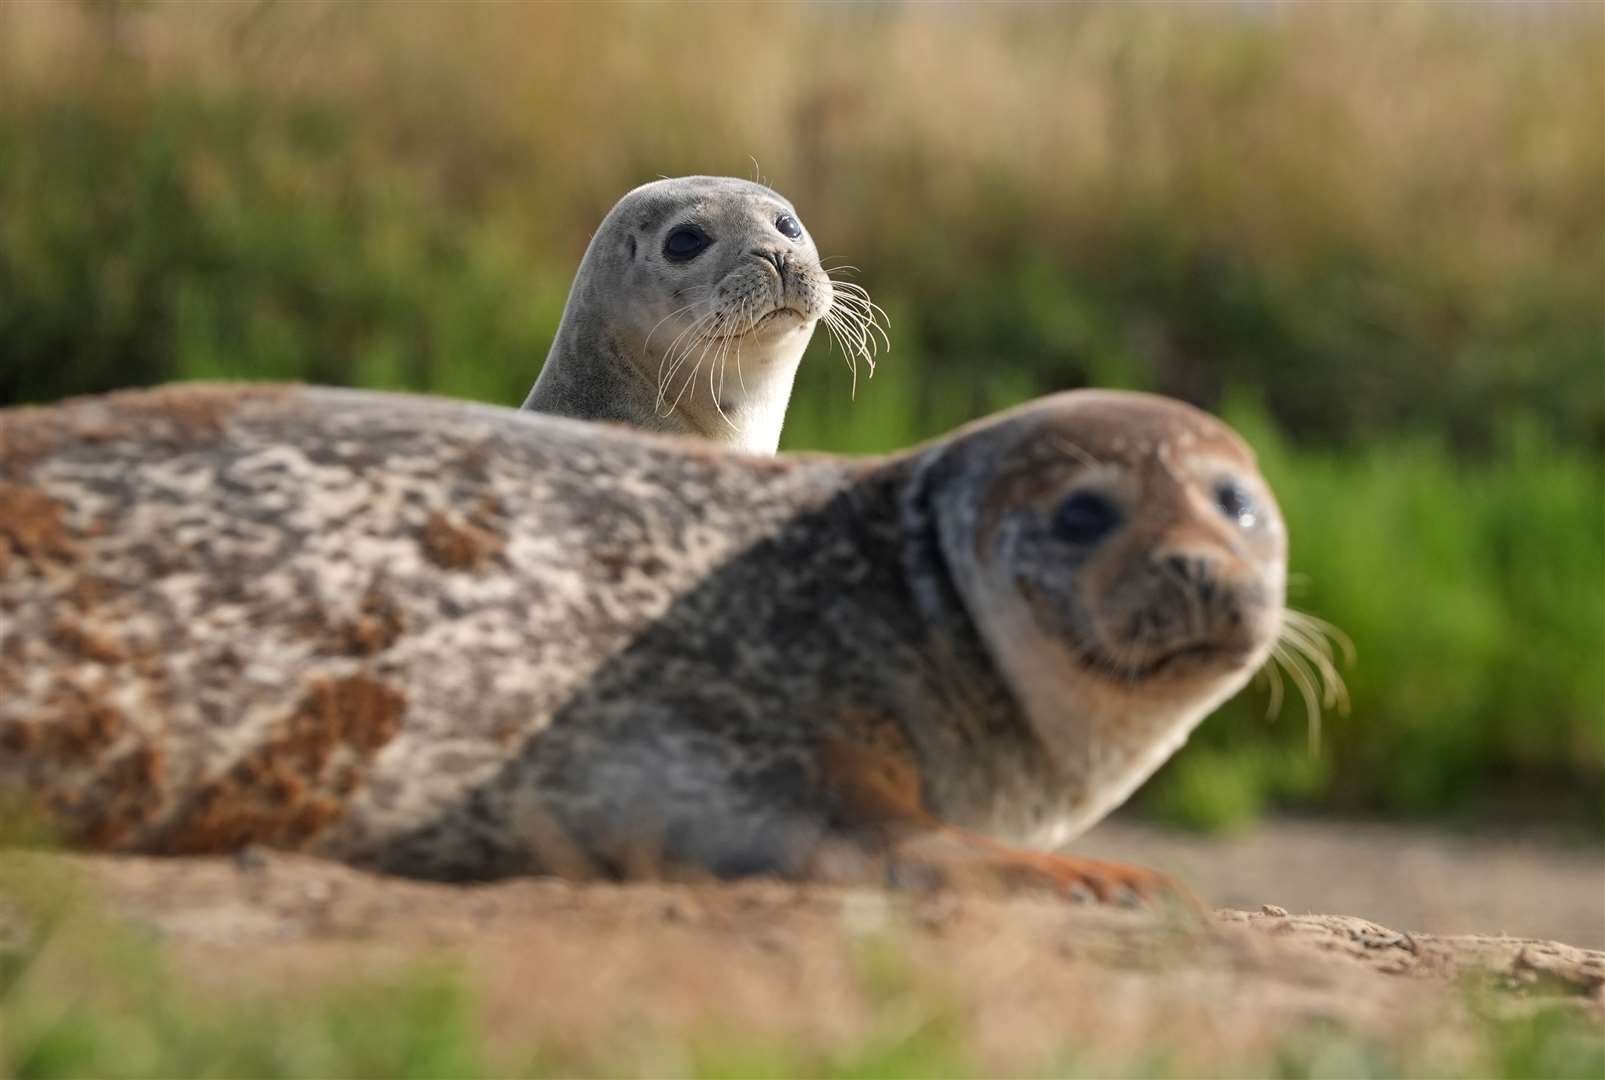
(878, 792)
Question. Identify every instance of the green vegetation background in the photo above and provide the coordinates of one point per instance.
(1373, 236)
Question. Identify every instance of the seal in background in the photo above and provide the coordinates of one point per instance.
(691, 311)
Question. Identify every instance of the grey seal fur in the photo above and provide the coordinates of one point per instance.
(705, 345)
(462, 642)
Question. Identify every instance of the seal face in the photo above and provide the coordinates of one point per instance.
(691, 311)
(1125, 563)
(461, 642)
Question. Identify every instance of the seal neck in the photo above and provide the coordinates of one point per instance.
(984, 763)
(735, 401)
(732, 396)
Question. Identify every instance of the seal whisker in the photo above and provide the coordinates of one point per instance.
(1318, 652)
(695, 321)
(740, 379)
(856, 324)
(676, 355)
(670, 351)
(846, 332)
(707, 339)
(718, 395)
(1324, 631)
(1331, 683)
(693, 328)
(852, 288)
(852, 291)
(701, 343)
(846, 336)
(646, 345)
(849, 297)
(713, 369)
(1274, 686)
(689, 379)
(1304, 650)
(831, 341)
(1304, 677)
(851, 323)
(720, 359)
(703, 329)
(873, 315)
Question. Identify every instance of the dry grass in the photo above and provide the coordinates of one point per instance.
(1285, 130)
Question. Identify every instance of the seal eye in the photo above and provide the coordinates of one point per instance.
(685, 242)
(789, 227)
(1085, 518)
(1236, 504)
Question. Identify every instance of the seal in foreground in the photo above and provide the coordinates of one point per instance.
(460, 642)
(690, 313)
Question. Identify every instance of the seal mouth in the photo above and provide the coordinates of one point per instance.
(762, 321)
(779, 312)
(1182, 659)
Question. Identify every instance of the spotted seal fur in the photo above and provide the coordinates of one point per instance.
(461, 642)
(690, 313)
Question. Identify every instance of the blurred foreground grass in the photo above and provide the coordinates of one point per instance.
(1372, 234)
(84, 994)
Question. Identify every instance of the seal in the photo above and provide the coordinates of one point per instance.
(691, 311)
(460, 642)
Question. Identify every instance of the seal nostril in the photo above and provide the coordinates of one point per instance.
(1197, 574)
(772, 258)
(1193, 569)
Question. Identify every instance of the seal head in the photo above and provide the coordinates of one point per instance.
(1125, 565)
(689, 314)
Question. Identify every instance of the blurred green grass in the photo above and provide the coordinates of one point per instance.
(1475, 594)
(84, 994)
(1371, 234)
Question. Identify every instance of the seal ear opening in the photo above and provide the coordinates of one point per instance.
(630, 240)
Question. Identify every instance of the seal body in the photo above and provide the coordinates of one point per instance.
(461, 642)
(689, 314)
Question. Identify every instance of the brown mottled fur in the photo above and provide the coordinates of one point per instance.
(32, 526)
(289, 788)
